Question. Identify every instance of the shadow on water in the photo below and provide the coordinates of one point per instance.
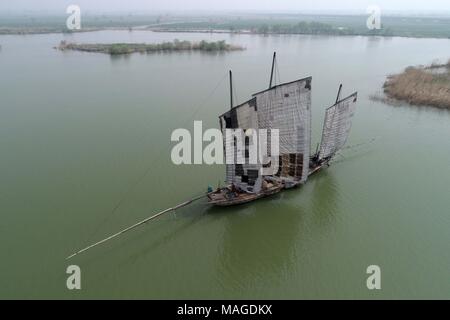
(420, 109)
(126, 57)
(120, 58)
(325, 198)
(263, 240)
(319, 200)
(256, 244)
(260, 239)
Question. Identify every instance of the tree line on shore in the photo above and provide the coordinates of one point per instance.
(127, 48)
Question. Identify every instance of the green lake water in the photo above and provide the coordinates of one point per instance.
(81, 132)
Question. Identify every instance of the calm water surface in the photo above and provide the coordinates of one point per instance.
(77, 130)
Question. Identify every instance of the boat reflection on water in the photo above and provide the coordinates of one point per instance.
(262, 242)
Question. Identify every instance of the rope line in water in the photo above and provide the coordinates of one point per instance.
(185, 203)
(152, 162)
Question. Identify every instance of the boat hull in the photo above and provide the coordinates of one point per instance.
(219, 197)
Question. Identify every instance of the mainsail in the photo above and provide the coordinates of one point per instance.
(287, 107)
(336, 127)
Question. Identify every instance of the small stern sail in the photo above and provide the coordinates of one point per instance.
(336, 127)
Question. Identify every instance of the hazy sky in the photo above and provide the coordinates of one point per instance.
(228, 5)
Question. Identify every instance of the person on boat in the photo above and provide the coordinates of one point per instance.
(231, 192)
(234, 190)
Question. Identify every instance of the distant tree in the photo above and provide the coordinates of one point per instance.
(264, 29)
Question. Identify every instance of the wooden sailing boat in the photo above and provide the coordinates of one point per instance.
(286, 107)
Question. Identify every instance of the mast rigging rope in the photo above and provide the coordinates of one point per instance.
(148, 169)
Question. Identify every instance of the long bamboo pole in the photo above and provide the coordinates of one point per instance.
(183, 204)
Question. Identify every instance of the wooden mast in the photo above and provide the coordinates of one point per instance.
(231, 90)
(339, 93)
(273, 66)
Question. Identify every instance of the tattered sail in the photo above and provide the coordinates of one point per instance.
(239, 170)
(283, 112)
(336, 127)
(287, 107)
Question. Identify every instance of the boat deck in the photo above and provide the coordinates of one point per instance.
(228, 196)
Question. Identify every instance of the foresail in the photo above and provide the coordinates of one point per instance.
(287, 107)
(336, 127)
(239, 170)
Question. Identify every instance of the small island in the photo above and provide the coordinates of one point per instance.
(127, 48)
(423, 85)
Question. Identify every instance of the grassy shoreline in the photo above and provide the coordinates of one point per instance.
(423, 85)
